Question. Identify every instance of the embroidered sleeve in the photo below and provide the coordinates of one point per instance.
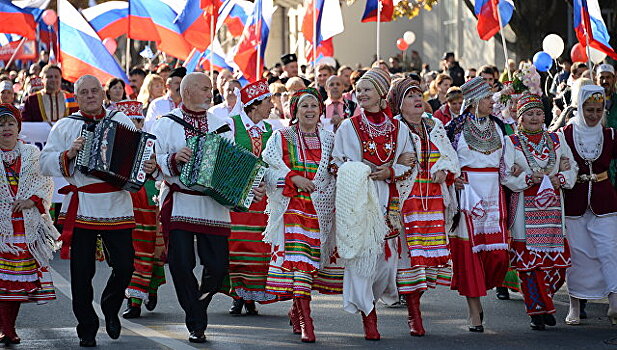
(65, 164)
(562, 179)
(173, 165)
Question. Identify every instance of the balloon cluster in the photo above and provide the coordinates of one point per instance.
(408, 38)
(553, 46)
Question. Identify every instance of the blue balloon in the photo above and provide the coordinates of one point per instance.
(542, 61)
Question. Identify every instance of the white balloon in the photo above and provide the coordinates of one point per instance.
(596, 55)
(553, 45)
(409, 37)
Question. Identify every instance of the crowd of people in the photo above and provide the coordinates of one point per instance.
(381, 185)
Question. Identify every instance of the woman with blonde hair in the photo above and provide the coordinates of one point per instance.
(153, 87)
(438, 90)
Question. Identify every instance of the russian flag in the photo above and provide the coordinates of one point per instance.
(488, 22)
(194, 22)
(154, 20)
(370, 11)
(109, 19)
(81, 49)
(328, 17)
(5, 39)
(588, 18)
(324, 49)
(218, 58)
(255, 33)
(234, 14)
(16, 20)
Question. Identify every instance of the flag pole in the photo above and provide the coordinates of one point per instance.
(503, 43)
(314, 48)
(212, 29)
(21, 43)
(378, 25)
(587, 26)
(127, 63)
(258, 33)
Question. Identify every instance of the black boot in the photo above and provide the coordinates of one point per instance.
(537, 323)
(502, 293)
(131, 311)
(151, 302)
(583, 304)
(251, 309)
(236, 307)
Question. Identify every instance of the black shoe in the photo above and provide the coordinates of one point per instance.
(197, 337)
(583, 313)
(132, 312)
(537, 323)
(549, 320)
(477, 329)
(236, 307)
(151, 302)
(502, 293)
(251, 309)
(113, 326)
(87, 343)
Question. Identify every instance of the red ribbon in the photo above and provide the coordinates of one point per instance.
(71, 213)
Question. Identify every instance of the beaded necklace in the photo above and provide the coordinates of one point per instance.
(544, 143)
(304, 145)
(375, 130)
(481, 135)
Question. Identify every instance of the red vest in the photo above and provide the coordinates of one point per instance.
(600, 196)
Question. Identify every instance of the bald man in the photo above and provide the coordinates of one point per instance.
(100, 209)
(337, 107)
(188, 216)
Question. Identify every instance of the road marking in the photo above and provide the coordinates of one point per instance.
(64, 286)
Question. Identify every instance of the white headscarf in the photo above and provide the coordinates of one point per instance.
(587, 139)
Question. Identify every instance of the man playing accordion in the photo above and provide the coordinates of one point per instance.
(91, 207)
(187, 214)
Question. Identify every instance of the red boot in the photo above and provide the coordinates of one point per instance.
(294, 318)
(9, 323)
(306, 322)
(370, 326)
(415, 316)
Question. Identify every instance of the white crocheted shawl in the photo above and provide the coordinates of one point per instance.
(41, 235)
(322, 197)
(360, 224)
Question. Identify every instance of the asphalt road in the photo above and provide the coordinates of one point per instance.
(52, 326)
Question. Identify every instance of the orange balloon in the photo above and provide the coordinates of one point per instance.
(578, 53)
(401, 44)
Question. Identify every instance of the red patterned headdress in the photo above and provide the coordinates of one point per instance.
(132, 109)
(256, 91)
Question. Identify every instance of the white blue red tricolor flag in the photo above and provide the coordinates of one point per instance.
(255, 35)
(588, 19)
(82, 50)
(371, 10)
(109, 19)
(16, 20)
(488, 21)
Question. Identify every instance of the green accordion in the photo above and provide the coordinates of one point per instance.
(223, 171)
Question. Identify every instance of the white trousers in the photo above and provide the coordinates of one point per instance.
(361, 292)
(593, 245)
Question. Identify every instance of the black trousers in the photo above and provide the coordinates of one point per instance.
(119, 254)
(213, 254)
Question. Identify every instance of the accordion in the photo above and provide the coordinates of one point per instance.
(223, 171)
(115, 153)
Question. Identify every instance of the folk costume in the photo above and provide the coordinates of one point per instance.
(27, 237)
(91, 208)
(479, 241)
(424, 261)
(43, 106)
(590, 209)
(249, 256)
(538, 250)
(149, 272)
(300, 224)
(374, 139)
(188, 215)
